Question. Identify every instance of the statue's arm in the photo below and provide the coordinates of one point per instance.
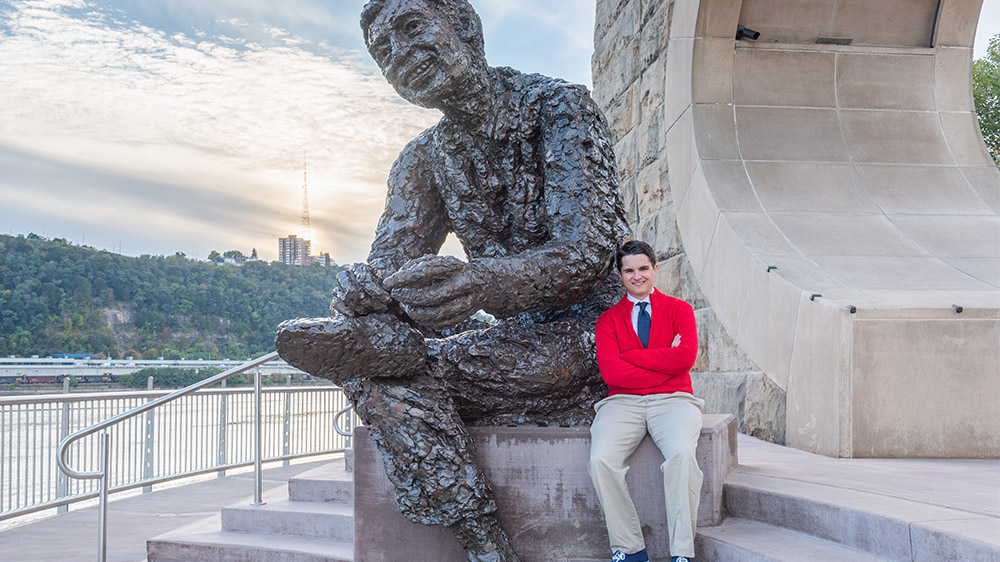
(584, 213)
(413, 223)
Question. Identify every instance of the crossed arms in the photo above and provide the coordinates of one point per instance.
(625, 364)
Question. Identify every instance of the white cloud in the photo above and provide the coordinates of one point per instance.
(205, 114)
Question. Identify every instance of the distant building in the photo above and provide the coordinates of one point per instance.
(294, 250)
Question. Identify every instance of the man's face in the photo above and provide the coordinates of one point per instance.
(419, 50)
(637, 275)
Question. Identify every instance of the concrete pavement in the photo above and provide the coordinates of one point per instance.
(72, 536)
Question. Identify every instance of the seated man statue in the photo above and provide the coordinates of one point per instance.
(520, 167)
(646, 346)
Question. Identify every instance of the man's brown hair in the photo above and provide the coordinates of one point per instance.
(634, 248)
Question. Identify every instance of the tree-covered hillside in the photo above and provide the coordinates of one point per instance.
(56, 297)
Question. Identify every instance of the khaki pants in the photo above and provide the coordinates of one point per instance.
(674, 423)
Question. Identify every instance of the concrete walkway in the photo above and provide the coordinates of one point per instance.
(969, 486)
(132, 520)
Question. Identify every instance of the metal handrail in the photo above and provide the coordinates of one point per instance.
(102, 472)
(336, 421)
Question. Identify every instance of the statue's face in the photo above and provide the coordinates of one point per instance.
(419, 51)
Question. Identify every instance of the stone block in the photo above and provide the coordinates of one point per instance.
(885, 81)
(818, 411)
(623, 113)
(676, 278)
(713, 71)
(730, 185)
(793, 21)
(964, 137)
(758, 233)
(902, 274)
(957, 23)
(697, 217)
(887, 137)
(630, 200)
(724, 277)
(764, 412)
(810, 187)
(682, 158)
(919, 189)
(715, 132)
(718, 19)
(806, 78)
(651, 90)
(684, 19)
(653, 191)
(717, 351)
(986, 270)
(952, 87)
(651, 33)
(779, 133)
(886, 22)
(840, 235)
(801, 272)
(767, 322)
(615, 71)
(941, 236)
(652, 137)
(723, 393)
(985, 180)
(547, 503)
(955, 373)
(626, 155)
(678, 78)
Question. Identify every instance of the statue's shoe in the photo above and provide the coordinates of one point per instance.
(342, 349)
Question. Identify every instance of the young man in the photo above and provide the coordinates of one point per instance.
(646, 346)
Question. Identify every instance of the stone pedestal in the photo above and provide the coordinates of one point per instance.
(547, 502)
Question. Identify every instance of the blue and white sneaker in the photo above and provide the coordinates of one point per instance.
(681, 559)
(640, 556)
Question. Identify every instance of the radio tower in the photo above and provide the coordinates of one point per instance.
(304, 228)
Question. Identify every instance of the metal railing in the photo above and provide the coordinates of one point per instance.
(134, 440)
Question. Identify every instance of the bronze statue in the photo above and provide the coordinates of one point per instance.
(521, 169)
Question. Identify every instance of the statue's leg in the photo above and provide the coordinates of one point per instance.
(521, 373)
(430, 459)
(342, 348)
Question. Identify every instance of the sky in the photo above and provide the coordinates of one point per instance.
(163, 126)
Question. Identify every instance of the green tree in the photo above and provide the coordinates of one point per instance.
(986, 91)
(215, 257)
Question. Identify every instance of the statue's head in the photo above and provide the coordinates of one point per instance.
(424, 47)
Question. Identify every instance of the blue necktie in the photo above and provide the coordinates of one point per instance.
(643, 324)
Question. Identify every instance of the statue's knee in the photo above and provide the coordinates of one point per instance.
(342, 349)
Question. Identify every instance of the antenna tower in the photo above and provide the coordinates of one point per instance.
(306, 230)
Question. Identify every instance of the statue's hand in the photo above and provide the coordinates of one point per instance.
(359, 292)
(438, 291)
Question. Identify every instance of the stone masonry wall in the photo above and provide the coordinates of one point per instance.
(629, 66)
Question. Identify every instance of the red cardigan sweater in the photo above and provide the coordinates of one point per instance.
(629, 368)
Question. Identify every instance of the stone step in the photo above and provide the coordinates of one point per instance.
(740, 540)
(205, 541)
(281, 516)
(889, 527)
(328, 483)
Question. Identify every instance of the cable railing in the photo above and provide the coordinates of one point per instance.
(136, 440)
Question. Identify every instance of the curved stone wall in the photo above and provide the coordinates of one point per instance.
(833, 202)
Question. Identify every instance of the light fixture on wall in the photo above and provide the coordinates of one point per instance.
(746, 33)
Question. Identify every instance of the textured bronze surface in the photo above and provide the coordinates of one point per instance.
(521, 169)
